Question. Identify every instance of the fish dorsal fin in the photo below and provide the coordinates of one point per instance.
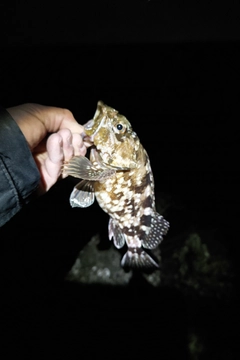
(159, 227)
(82, 195)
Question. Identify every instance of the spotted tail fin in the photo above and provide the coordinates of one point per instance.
(138, 259)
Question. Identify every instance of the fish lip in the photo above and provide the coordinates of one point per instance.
(87, 138)
(89, 124)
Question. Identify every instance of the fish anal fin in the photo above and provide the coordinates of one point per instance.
(115, 232)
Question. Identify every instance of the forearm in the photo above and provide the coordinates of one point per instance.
(19, 175)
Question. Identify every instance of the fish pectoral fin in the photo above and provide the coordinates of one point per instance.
(130, 166)
(159, 228)
(82, 168)
(116, 233)
(82, 194)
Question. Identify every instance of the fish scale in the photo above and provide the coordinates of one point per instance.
(119, 175)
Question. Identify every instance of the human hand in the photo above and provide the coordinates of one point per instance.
(53, 135)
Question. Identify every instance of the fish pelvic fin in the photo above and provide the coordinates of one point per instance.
(82, 195)
(138, 258)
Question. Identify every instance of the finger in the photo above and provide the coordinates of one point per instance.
(55, 158)
(73, 125)
(55, 148)
(78, 145)
(67, 120)
(58, 118)
(67, 146)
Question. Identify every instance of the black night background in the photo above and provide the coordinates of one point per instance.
(173, 71)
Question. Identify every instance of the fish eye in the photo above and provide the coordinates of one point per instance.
(119, 127)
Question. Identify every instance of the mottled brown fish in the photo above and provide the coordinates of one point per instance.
(120, 176)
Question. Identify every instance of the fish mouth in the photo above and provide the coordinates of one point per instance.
(93, 127)
(88, 126)
(88, 139)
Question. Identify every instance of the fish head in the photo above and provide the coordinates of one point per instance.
(112, 134)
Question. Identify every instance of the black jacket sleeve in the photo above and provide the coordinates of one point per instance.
(19, 175)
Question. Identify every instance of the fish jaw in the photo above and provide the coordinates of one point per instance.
(88, 139)
(112, 135)
(101, 114)
(92, 127)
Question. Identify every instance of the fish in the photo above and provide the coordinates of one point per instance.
(119, 175)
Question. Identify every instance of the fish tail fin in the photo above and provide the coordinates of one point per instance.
(138, 258)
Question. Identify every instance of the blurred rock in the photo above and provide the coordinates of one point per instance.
(95, 266)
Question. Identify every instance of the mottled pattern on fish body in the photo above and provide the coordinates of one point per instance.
(121, 177)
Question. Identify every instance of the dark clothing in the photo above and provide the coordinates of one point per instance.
(19, 175)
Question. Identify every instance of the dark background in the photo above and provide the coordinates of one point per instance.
(173, 71)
